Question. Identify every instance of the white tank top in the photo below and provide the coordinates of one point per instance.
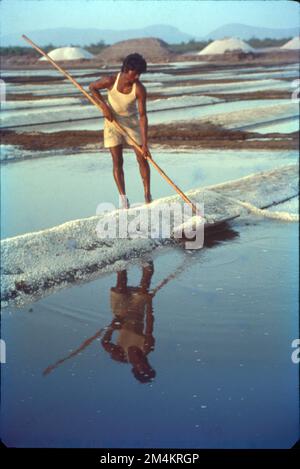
(121, 103)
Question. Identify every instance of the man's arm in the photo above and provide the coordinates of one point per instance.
(104, 83)
(141, 95)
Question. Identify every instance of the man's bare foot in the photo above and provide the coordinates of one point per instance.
(148, 199)
(124, 202)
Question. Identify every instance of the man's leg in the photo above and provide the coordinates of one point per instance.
(145, 173)
(117, 157)
(122, 281)
(148, 271)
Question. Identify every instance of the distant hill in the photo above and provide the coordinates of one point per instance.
(154, 50)
(83, 37)
(245, 31)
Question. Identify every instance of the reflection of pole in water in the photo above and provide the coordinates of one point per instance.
(85, 344)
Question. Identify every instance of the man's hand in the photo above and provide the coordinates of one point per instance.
(146, 152)
(103, 83)
(149, 342)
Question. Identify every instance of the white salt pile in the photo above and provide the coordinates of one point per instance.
(293, 44)
(220, 46)
(69, 53)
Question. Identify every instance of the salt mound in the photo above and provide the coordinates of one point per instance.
(220, 46)
(292, 44)
(69, 53)
(152, 49)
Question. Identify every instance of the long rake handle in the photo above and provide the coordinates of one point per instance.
(115, 123)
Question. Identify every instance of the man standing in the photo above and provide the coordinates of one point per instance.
(126, 104)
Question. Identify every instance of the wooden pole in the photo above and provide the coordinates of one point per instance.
(115, 123)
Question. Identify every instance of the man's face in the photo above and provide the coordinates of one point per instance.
(132, 75)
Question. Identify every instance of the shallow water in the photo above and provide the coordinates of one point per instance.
(49, 71)
(69, 113)
(222, 335)
(287, 126)
(74, 109)
(224, 74)
(237, 87)
(45, 192)
(285, 106)
(152, 66)
(245, 85)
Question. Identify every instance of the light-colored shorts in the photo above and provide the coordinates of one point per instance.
(112, 137)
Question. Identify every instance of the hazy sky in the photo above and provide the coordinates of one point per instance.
(196, 17)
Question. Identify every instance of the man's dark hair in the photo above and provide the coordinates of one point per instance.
(134, 62)
(144, 377)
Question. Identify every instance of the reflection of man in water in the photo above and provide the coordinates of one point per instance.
(133, 321)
